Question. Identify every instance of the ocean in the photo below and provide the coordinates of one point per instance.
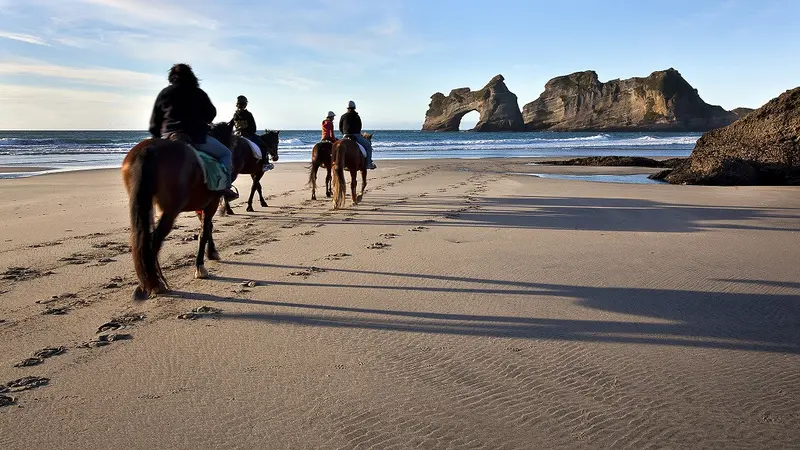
(73, 150)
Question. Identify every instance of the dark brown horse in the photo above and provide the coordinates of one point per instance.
(167, 173)
(246, 163)
(320, 157)
(345, 154)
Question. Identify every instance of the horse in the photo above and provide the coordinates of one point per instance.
(320, 156)
(246, 163)
(345, 154)
(167, 173)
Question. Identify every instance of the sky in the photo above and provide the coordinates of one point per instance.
(99, 64)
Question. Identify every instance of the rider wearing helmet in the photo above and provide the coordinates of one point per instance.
(350, 123)
(244, 124)
(182, 107)
(327, 128)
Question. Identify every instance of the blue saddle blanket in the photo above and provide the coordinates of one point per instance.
(214, 173)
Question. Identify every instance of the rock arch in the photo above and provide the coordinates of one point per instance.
(497, 106)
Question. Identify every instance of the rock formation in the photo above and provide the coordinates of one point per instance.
(498, 108)
(762, 148)
(741, 113)
(662, 101)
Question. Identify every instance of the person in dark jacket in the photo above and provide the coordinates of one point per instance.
(244, 124)
(350, 123)
(182, 107)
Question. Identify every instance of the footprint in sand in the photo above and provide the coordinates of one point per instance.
(420, 228)
(58, 297)
(128, 318)
(23, 273)
(26, 383)
(245, 251)
(106, 339)
(75, 258)
(307, 272)
(109, 326)
(378, 245)
(307, 233)
(388, 235)
(45, 244)
(6, 400)
(337, 256)
(200, 311)
(40, 355)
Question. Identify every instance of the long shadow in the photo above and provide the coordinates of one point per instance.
(576, 213)
(760, 322)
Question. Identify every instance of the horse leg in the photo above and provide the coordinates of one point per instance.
(252, 193)
(312, 179)
(353, 187)
(328, 188)
(165, 223)
(200, 270)
(258, 188)
(363, 184)
(211, 249)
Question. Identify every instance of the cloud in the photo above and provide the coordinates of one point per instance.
(30, 39)
(96, 76)
(35, 107)
(132, 12)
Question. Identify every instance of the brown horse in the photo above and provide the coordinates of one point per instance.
(320, 156)
(167, 173)
(345, 154)
(246, 163)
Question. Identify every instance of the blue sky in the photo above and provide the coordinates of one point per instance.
(98, 64)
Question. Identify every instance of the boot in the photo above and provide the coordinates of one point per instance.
(229, 194)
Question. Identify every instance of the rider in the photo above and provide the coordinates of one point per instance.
(327, 128)
(350, 123)
(245, 125)
(182, 107)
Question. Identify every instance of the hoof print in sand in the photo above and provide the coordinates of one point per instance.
(389, 235)
(420, 228)
(244, 251)
(307, 233)
(56, 311)
(56, 298)
(337, 256)
(106, 339)
(199, 312)
(378, 245)
(26, 383)
(75, 258)
(128, 318)
(28, 362)
(307, 272)
(109, 326)
(23, 273)
(6, 400)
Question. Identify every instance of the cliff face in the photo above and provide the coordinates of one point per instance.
(497, 106)
(761, 148)
(662, 101)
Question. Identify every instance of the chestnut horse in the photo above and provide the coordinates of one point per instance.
(167, 173)
(345, 154)
(245, 163)
(320, 156)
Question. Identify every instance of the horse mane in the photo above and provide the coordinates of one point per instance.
(223, 132)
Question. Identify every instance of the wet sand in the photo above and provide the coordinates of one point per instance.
(459, 306)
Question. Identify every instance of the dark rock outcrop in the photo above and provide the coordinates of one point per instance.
(498, 108)
(616, 161)
(662, 101)
(741, 113)
(762, 148)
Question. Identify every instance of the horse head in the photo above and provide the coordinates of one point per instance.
(223, 132)
(270, 140)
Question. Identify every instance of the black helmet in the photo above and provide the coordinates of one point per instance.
(241, 100)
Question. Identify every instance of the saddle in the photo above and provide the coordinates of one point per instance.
(214, 173)
(360, 147)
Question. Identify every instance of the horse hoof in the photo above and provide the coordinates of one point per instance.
(264, 204)
(328, 194)
(200, 273)
(313, 197)
(214, 256)
(230, 213)
(250, 209)
(139, 294)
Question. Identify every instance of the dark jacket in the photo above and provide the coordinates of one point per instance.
(243, 122)
(350, 123)
(184, 109)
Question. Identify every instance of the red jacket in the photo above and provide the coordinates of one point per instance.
(327, 131)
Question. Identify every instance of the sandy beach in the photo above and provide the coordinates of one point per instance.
(463, 304)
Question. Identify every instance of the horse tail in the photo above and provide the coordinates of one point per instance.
(312, 174)
(143, 188)
(339, 185)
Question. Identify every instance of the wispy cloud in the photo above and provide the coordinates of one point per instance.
(94, 75)
(29, 38)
